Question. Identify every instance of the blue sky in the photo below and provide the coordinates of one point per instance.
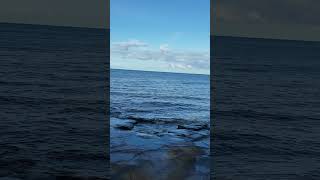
(160, 35)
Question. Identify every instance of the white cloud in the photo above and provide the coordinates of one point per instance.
(175, 59)
(180, 66)
(164, 48)
(132, 43)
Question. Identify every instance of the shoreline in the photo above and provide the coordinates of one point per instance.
(140, 153)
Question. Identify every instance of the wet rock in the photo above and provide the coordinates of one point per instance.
(147, 120)
(131, 172)
(182, 161)
(193, 127)
(170, 162)
(125, 124)
(142, 120)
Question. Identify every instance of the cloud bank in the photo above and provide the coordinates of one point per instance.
(175, 59)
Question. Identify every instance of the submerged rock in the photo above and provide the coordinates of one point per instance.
(194, 127)
(175, 161)
(125, 124)
(142, 120)
(142, 171)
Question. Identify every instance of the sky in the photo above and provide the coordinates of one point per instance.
(166, 35)
(75, 13)
(276, 19)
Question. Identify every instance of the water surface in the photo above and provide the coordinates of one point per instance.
(265, 117)
(53, 122)
(170, 114)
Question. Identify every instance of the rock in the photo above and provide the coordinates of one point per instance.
(142, 120)
(194, 127)
(125, 124)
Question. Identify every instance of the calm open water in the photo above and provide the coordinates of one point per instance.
(53, 112)
(53, 122)
(160, 95)
(266, 109)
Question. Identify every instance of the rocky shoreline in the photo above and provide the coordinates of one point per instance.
(159, 149)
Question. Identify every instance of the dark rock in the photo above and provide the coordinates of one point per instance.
(125, 124)
(142, 120)
(194, 127)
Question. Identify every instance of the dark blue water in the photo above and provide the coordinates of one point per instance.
(266, 109)
(160, 95)
(53, 109)
(159, 103)
(53, 121)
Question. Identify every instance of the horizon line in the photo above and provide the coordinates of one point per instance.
(51, 25)
(211, 35)
(266, 38)
(159, 71)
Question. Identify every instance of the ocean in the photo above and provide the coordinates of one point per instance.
(157, 95)
(53, 122)
(54, 109)
(265, 109)
(171, 114)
